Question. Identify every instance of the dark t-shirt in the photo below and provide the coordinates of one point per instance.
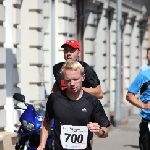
(70, 112)
(91, 79)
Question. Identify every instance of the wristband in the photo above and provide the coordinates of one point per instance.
(102, 131)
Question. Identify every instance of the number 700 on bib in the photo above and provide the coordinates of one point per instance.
(74, 137)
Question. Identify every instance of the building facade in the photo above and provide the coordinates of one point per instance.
(32, 32)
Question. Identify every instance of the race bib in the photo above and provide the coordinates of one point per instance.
(74, 137)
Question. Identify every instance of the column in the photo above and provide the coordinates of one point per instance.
(101, 52)
(65, 26)
(2, 67)
(112, 61)
(9, 107)
(32, 56)
(126, 56)
(47, 49)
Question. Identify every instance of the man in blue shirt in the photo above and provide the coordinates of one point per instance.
(147, 66)
(142, 83)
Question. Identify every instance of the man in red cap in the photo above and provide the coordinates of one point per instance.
(91, 84)
(72, 52)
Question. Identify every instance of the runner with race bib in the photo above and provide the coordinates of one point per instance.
(76, 113)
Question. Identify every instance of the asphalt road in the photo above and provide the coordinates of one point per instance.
(120, 138)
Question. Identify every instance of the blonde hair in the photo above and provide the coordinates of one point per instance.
(72, 65)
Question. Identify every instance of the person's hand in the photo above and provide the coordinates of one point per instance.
(41, 147)
(147, 106)
(93, 127)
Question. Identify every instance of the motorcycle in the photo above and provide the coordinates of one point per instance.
(30, 125)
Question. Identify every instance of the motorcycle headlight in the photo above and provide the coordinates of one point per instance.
(28, 126)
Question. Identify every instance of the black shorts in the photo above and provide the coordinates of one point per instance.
(90, 135)
(144, 139)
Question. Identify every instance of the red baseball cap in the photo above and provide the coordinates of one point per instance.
(72, 43)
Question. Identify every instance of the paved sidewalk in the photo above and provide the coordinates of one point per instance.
(121, 138)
